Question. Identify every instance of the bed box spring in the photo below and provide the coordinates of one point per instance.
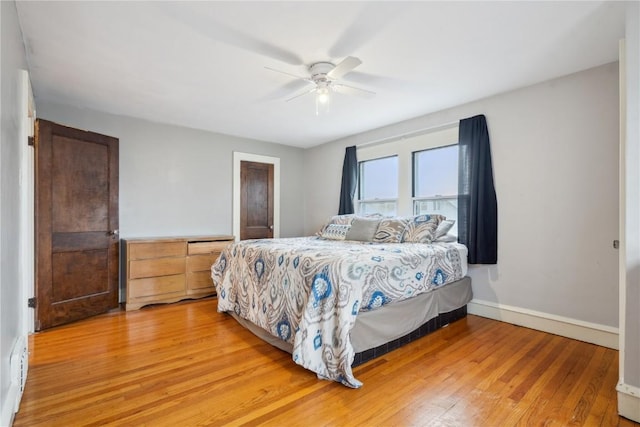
(380, 331)
(427, 328)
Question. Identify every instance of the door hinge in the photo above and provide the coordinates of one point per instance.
(31, 302)
(30, 141)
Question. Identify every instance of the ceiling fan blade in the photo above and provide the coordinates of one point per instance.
(289, 74)
(294, 86)
(347, 64)
(370, 22)
(372, 80)
(201, 19)
(302, 94)
(352, 90)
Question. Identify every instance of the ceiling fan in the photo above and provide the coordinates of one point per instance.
(325, 78)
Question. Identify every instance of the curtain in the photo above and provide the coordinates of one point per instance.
(349, 181)
(477, 204)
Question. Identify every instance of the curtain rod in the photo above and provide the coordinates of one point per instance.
(408, 134)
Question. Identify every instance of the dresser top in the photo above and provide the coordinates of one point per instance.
(205, 238)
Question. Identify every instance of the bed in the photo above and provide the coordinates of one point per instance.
(334, 302)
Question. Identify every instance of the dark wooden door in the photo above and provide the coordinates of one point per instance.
(76, 224)
(256, 201)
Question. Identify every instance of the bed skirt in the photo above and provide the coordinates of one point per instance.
(380, 331)
(430, 326)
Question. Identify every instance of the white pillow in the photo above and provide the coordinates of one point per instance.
(447, 238)
(443, 228)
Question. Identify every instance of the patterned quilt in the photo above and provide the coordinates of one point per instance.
(307, 291)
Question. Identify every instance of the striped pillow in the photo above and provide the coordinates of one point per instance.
(335, 231)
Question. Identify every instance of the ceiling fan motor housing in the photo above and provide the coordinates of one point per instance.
(319, 71)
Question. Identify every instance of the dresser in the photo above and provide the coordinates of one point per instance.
(169, 269)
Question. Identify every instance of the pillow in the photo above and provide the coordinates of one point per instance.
(444, 227)
(390, 230)
(447, 238)
(337, 219)
(335, 231)
(422, 228)
(363, 229)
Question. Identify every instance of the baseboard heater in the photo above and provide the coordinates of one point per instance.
(19, 364)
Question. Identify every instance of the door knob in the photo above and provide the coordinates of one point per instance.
(271, 227)
(113, 232)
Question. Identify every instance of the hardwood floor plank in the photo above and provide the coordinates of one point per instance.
(579, 402)
(185, 364)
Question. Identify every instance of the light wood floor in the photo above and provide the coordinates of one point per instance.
(185, 365)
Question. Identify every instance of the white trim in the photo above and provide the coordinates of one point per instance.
(410, 134)
(275, 161)
(629, 401)
(606, 336)
(27, 219)
(622, 211)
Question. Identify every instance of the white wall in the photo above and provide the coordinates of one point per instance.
(178, 181)
(13, 59)
(555, 158)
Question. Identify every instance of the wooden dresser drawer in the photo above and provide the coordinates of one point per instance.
(156, 286)
(155, 267)
(201, 262)
(206, 247)
(200, 281)
(157, 250)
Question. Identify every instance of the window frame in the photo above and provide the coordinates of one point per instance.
(404, 147)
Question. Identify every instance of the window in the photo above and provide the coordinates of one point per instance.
(435, 182)
(378, 186)
(410, 176)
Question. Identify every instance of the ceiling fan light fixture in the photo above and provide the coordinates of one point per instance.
(323, 95)
(322, 100)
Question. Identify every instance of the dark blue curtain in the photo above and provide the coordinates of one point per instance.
(349, 181)
(477, 204)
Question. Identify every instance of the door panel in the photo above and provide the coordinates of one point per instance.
(76, 274)
(256, 203)
(78, 170)
(76, 224)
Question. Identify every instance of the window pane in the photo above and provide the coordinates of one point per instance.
(382, 208)
(379, 179)
(435, 183)
(436, 172)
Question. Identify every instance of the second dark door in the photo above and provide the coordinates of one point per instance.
(256, 200)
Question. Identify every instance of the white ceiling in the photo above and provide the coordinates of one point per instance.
(201, 64)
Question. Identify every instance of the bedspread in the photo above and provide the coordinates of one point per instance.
(307, 291)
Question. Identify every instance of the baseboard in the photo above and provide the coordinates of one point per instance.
(605, 336)
(9, 405)
(629, 401)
